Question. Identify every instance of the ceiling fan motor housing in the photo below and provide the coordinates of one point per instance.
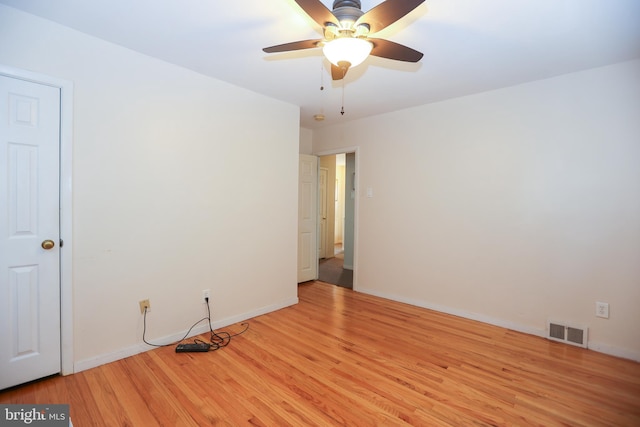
(350, 3)
(347, 11)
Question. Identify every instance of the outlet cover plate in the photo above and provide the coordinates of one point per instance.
(145, 304)
(602, 309)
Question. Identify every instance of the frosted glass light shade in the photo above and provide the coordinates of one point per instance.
(350, 49)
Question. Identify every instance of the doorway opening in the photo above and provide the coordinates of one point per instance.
(336, 213)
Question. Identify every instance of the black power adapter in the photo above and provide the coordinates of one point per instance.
(193, 348)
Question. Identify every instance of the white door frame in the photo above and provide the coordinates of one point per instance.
(356, 203)
(66, 223)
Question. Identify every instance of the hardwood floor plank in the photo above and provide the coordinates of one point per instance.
(344, 358)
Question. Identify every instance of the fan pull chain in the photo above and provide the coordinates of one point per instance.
(320, 115)
(342, 109)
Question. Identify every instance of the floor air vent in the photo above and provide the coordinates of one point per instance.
(570, 334)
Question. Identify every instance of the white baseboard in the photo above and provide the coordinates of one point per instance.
(83, 365)
(599, 347)
(614, 351)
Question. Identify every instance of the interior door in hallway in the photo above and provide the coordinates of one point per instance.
(307, 218)
(29, 231)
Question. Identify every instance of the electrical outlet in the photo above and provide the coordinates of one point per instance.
(145, 304)
(205, 295)
(602, 309)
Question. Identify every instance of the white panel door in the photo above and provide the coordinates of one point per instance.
(29, 231)
(307, 214)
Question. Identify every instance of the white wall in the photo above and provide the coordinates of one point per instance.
(511, 207)
(180, 183)
(306, 141)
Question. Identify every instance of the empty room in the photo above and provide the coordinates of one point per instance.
(164, 205)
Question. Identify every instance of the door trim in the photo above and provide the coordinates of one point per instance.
(66, 213)
(356, 205)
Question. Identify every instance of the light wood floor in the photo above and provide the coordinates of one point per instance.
(343, 358)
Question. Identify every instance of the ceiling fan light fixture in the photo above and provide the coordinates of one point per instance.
(347, 49)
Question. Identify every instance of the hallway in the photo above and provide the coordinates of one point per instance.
(330, 270)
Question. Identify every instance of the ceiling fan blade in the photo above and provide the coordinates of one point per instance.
(318, 12)
(338, 73)
(386, 13)
(391, 50)
(302, 44)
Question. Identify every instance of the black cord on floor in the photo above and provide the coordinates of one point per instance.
(217, 339)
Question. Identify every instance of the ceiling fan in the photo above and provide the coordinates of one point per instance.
(346, 32)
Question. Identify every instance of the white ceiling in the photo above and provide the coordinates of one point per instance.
(469, 46)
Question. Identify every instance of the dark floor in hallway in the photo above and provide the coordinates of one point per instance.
(331, 271)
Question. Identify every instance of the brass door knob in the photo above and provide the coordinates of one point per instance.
(47, 244)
